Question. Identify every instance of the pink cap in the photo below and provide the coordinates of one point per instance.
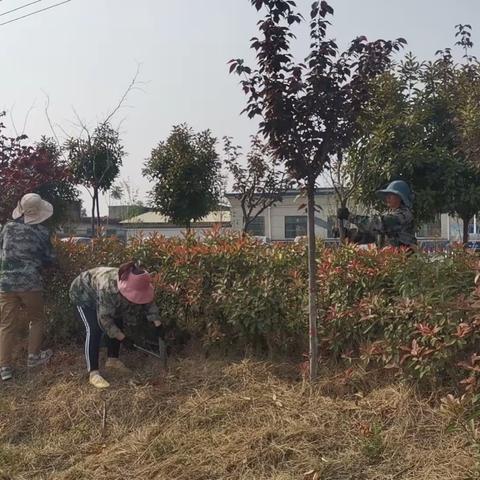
(137, 289)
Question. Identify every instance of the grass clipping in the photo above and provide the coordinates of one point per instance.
(217, 420)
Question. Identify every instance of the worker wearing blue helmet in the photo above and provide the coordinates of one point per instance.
(397, 226)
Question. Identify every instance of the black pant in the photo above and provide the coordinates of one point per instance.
(94, 337)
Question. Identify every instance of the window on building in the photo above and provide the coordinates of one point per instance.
(257, 227)
(332, 227)
(431, 229)
(295, 226)
(471, 226)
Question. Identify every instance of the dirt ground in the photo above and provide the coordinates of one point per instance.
(222, 420)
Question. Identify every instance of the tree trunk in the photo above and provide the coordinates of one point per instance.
(245, 220)
(341, 226)
(312, 278)
(98, 211)
(466, 223)
(340, 195)
(93, 213)
(246, 223)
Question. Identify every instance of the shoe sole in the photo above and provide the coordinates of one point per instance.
(6, 374)
(103, 387)
(37, 364)
(40, 362)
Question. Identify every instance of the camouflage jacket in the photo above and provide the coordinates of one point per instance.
(397, 226)
(24, 251)
(97, 289)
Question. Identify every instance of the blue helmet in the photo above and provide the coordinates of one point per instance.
(400, 188)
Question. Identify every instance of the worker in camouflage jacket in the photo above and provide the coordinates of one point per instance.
(25, 249)
(397, 226)
(107, 299)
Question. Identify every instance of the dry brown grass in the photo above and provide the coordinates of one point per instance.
(217, 420)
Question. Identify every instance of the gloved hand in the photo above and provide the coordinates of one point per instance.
(160, 331)
(343, 213)
(128, 343)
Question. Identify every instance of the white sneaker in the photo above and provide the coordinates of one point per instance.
(41, 359)
(98, 381)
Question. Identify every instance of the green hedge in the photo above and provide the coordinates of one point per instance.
(410, 314)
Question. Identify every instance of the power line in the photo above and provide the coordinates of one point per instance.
(19, 8)
(34, 13)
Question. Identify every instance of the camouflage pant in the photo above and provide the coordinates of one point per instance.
(17, 310)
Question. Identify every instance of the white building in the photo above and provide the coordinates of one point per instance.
(288, 219)
(282, 222)
(152, 223)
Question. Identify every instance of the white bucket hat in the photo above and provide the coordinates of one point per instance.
(33, 209)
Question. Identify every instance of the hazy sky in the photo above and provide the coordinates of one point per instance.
(84, 53)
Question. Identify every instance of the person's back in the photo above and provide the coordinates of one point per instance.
(85, 289)
(97, 289)
(106, 299)
(24, 250)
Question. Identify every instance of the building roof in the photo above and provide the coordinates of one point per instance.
(104, 221)
(220, 216)
(292, 193)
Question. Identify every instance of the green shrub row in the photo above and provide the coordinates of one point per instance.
(409, 314)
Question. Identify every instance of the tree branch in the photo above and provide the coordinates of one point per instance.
(27, 116)
(81, 124)
(12, 120)
(54, 133)
(132, 86)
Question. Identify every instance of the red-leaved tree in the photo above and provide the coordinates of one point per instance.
(32, 168)
(309, 111)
